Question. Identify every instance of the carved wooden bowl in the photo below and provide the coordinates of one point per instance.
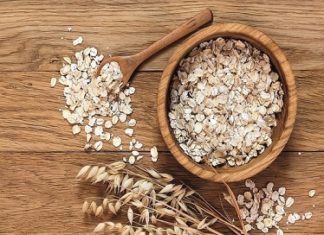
(286, 118)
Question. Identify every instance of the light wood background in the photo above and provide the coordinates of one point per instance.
(39, 157)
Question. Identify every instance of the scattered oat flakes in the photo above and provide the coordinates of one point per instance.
(114, 120)
(105, 136)
(76, 129)
(116, 141)
(154, 152)
(66, 113)
(93, 98)
(100, 121)
(131, 160)
(138, 145)
(248, 227)
(87, 147)
(98, 130)
(312, 193)
(129, 131)
(92, 121)
(289, 202)
(88, 137)
(262, 208)
(108, 124)
(291, 219)
(88, 129)
(53, 82)
(77, 41)
(67, 59)
(122, 117)
(308, 215)
(154, 159)
(132, 122)
(94, 103)
(98, 145)
(280, 232)
(282, 191)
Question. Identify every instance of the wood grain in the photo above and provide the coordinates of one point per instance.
(38, 154)
(30, 120)
(31, 30)
(42, 187)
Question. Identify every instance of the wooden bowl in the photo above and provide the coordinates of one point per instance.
(286, 118)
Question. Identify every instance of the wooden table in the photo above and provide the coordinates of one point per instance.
(39, 156)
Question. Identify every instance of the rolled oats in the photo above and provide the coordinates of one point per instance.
(308, 215)
(260, 207)
(131, 160)
(154, 152)
(264, 208)
(108, 124)
(98, 131)
(132, 122)
(88, 129)
(289, 202)
(97, 103)
(312, 193)
(98, 145)
(77, 41)
(116, 141)
(129, 131)
(94, 103)
(224, 98)
(280, 232)
(76, 129)
(67, 60)
(88, 138)
(53, 82)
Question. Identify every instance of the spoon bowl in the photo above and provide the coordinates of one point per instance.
(127, 64)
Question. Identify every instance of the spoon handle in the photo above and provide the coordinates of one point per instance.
(204, 17)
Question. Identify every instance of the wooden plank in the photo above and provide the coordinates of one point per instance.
(30, 38)
(39, 192)
(39, 157)
(30, 120)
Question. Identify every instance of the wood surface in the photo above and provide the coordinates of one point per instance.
(285, 120)
(39, 157)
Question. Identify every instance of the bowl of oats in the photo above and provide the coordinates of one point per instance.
(227, 102)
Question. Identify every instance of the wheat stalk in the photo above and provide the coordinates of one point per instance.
(154, 202)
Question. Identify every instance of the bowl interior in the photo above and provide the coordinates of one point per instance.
(256, 164)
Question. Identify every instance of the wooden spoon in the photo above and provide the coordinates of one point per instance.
(128, 64)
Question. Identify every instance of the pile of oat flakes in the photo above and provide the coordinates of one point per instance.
(224, 100)
(263, 209)
(95, 104)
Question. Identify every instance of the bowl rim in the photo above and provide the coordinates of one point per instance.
(258, 39)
